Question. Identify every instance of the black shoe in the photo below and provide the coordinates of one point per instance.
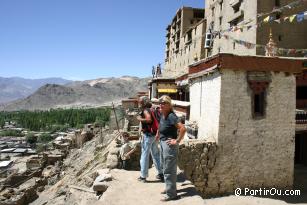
(160, 177)
(167, 198)
(141, 179)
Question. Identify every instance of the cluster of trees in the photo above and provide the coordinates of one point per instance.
(2, 122)
(13, 133)
(43, 138)
(56, 119)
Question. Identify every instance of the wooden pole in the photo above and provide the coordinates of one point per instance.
(115, 116)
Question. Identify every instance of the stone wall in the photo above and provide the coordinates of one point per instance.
(252, 152)
(261, 151)
(197, 158)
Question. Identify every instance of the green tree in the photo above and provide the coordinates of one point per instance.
(2, 122)
(31, 139)
(44, 138)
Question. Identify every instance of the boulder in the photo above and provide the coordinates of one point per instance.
(104, 177)
(100, 186)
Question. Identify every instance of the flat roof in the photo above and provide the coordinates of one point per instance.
(249, 63)
(5, 163)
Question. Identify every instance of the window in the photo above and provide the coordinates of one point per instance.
(189, 36)
(258, 83)
(221, 18)
(221, 5)
(212, 11)
(259, 104)
(301, 92)
(236, 21)
(279, 38)
(277, 2)
(234, 45)
(236, 6)
(277, 16)
(199, 14)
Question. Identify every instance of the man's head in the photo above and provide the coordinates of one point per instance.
(144, 102)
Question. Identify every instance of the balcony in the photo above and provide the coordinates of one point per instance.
(234, 3)
(301, 120)
(236, 16)
(188, 42)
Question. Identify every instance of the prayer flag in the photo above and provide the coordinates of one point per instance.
(266, 19)
(300, 17)
(292, 17)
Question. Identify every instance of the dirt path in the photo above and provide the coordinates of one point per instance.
(126, 190)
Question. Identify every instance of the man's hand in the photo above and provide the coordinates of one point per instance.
(127, 155)
(171, 142)
(157, 137)
(139, 118)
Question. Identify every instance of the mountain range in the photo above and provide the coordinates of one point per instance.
(16, 88)
(80, 94)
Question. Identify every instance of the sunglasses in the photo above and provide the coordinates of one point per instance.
(163, 103)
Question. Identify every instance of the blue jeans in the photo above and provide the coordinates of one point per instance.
(149, 145)
(169, 155)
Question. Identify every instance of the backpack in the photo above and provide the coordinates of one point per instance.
(155, 117)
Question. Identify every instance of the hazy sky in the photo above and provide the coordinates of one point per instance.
(84, 39)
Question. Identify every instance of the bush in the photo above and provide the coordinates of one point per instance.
(44, 138)
(41, 147)
(11, 133)
(31, 139)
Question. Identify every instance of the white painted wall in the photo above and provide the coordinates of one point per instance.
(205, 105)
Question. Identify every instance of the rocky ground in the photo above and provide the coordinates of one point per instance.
(82, 166)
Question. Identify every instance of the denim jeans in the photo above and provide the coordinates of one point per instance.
(149, 145)
(169, 155)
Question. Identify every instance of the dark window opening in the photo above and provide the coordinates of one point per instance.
(277, 2)
(199, 14)
(259, 104)
(236, 7)
(300, 149)
(279, 38)
(236, 21)
(301, 92)
(221, 5)
(277, 16)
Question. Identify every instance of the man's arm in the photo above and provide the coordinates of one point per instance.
(158, 135)
(147, 118)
